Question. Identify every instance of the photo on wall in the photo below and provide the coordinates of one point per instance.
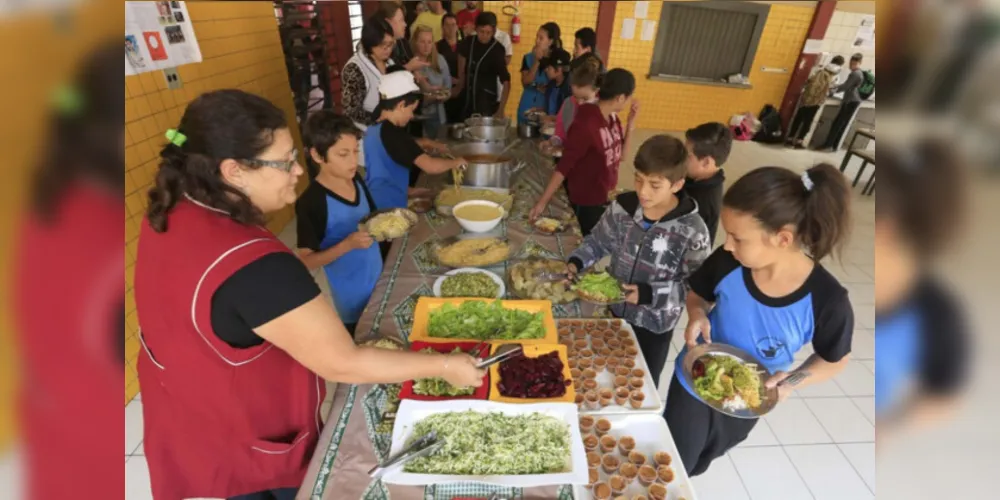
(179, 16)
(157, 51)
(175, 5)
(163, 8)
(175, 34)
(133, 54)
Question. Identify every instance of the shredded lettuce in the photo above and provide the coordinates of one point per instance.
(438, 386)
(600, 286)
(481, 320)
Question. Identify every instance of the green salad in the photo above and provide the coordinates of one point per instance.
(486, 444)
(480, 320)
(438, 386)
(600, 287)
(726, 379)
(470, 285)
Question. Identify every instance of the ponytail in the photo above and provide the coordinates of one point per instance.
(816, 204)
(554, 33)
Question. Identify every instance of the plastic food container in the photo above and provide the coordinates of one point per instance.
(534, 351)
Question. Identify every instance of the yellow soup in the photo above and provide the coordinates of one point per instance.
(478, 213)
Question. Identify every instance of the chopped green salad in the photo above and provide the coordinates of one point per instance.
(470, 285)
(438, 386)
(486, 444)
(727, 379)
(599, 286)
(476, 319)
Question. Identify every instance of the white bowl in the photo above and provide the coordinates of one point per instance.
(477, 226)
(496, 279)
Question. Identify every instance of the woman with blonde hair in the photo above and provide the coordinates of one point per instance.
(437, 77)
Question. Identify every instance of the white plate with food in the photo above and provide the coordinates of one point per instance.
(634, 439)
(389, 224)
(729, 380)
(549, 225)
(597, 340)
(470, 282)
(525, 283)
(530, 445)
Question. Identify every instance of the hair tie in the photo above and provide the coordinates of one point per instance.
(807, 181)
(175, 137)
(67, 100)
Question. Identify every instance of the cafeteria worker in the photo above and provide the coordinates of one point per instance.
(236, 336)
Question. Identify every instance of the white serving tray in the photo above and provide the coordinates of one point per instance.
(411, 412)
(496, 279)
(651, 435)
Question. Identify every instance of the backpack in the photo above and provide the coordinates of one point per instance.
(867, 87)
(770, 126)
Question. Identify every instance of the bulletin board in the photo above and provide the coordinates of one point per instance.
(158, 35)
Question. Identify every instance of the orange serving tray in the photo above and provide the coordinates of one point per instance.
(425, 305)
(534, 351)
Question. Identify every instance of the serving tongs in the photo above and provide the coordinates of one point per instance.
(504, 353)
(424, 446)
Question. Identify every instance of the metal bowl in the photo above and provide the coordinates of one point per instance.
(769, 397)
(487, 121)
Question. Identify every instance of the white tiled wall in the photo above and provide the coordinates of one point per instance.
(840, 37)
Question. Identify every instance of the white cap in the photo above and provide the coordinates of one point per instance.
(397, 84)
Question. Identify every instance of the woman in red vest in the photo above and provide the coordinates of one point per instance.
(237, 338)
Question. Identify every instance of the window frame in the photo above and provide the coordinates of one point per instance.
(762, 11)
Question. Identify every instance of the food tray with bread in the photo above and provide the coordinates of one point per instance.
(609, 372)
(631, 456)
(435, 389)
(526, 322)
(540, 375)
(471, 250)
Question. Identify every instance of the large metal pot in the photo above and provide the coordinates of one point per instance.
(491, 134)
(456, 131)
(485, 167)
(487, 121)
(528, 130)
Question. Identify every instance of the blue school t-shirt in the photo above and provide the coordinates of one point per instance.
(773, 329)
(325, 219)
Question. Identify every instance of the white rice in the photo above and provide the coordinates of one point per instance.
(734, 404)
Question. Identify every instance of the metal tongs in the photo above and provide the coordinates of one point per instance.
(503, 354)
(422, 447)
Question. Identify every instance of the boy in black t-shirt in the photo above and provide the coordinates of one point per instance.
(709, 145)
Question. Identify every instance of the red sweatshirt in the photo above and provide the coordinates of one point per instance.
(592, 156)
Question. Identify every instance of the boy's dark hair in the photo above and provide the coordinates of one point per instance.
(321, 131)
(838, 60)
(711, 139)
(373, 32)
(486, 19)
(559, 59)
(615, 83)
(818, 207)
(449, 15)
(857, 57)
(586, 74)
(587, 37)
(662, 155)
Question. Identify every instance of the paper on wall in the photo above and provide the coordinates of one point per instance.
(865, 37)
(641, 10)
(628, 28)
(648, 30)
(158, 35)
(813, 46)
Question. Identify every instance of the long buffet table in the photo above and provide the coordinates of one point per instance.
(349, 445)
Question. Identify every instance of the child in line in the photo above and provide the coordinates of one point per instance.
(766, 293)
(656, 240)
(328, 213)
(556, 66)
(814, 94)
(710, 145)
(583, 88)
(593, 151)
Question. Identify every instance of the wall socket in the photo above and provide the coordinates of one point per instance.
(173, 78)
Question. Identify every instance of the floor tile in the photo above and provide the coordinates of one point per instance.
(720, 482)
(137, 479)
(863, 345)
(861, 294)
(768, 474)
(856, 380)
(842, 420)
(849, 273)
(864, 315)
(870, 365)
(867, 407)
(804, 353)
(761, 435)
(133, 426)
(826, 389)
(862, 457)
(828, 473)
(793, 423)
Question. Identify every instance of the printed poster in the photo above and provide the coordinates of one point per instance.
(864, 39)
(158, 35)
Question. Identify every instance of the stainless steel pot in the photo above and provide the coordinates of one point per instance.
(456, 131)
(528, 130)
(485, 133)
(493, 172)
(487, 121)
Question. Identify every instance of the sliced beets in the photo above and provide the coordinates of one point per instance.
(535, 378)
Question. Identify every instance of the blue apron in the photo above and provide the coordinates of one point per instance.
(898, 349)
(352, 277)
(532, 98)
(387, 180)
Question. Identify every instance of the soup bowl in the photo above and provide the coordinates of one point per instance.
(477, 226)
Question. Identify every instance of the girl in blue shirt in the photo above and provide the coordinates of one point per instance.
(765, 292)
(533, 76)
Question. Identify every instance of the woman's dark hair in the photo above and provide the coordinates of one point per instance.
(85, 132)
(486, 19)
(373, 33)
(322, 130)
(220, 125)
(838, 60)
(778, 197)
(554, 33)
(922, 192)
(587, 37)
(615, 83)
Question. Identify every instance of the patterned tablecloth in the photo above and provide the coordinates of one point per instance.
(350, 444)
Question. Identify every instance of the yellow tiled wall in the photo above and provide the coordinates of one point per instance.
(241, 49)
(570, 16)
(679, 106)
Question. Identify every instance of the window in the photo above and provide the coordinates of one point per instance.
(354, 9)
(707, 41)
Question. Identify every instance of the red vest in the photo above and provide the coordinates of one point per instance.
(219, 421)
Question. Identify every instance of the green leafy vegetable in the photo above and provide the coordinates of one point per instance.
(470, 285)
(480, 320)
(726, 377)
(482, 444)
(438, 386)
(599, 286)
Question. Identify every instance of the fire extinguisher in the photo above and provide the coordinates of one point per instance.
(515, 23)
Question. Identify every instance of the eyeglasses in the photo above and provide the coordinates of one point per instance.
(283, 165)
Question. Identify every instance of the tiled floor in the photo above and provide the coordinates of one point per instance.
(818, 445)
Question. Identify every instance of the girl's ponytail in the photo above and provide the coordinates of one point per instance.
(816, 204)
(554, 33)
